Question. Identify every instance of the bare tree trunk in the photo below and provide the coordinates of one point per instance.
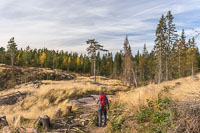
(179, 66)
(12, 59)
(134, 76)
(167, 69)
(94, 70)
(160, 68)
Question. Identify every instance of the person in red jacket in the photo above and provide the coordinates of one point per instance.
(102, 110)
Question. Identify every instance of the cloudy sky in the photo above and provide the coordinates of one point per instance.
(67, 24)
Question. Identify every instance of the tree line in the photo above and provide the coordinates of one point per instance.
(172, 57)
(72, 62)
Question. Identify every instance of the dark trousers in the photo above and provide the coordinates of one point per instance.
(101, 112)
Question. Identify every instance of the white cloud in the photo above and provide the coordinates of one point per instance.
(67, 24)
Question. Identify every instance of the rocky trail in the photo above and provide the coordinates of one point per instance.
(81, 120)
(88, 106)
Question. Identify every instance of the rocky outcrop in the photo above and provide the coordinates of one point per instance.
(10, 77)
(12, 98)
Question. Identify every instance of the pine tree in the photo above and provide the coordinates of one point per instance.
(12, 49)
(182, 55)
(86, 67)
(36, 58)
(175, 60)
(170, 39)
(2, 54)
(92, 50)
(160, 43)
(27, 56)
(192, 54)
(103, 65)
(145, 52)
(152, 62)
(117, 67)
(110, 65)
(144, 64)
(54, 59)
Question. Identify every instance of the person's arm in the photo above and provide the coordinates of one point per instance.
(98, 100)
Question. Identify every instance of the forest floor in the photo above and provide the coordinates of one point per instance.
(89, 107)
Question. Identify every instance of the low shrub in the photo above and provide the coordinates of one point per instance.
(156, 116)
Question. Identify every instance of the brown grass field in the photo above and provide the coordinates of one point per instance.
(52, 95)
(183, 89)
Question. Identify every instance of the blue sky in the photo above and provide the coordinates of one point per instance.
(67, 24)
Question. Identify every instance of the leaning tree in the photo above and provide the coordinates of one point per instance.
(92, 50)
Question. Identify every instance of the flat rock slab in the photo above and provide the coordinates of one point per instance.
(89, 101)
(86, 101)
(12, 98)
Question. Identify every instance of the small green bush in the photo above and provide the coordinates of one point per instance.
(144, 114)
(116, 122)
(116, 125)
(167, 88)
(156, 116)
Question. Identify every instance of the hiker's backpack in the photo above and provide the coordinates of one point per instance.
(102, 100)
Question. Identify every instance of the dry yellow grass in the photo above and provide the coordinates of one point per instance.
(53, 95)
(184, 89)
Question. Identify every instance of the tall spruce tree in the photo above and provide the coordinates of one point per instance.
(117, 68)
(145, 68)
(159, 47)
(171, 37)
(182, 57)
(192, 54)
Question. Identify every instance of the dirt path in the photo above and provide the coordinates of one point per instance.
(98, 130)
(89, 106)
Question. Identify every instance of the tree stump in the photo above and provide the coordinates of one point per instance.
(68, 109)
(44, 122)
(3, 121)
(58, 112)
